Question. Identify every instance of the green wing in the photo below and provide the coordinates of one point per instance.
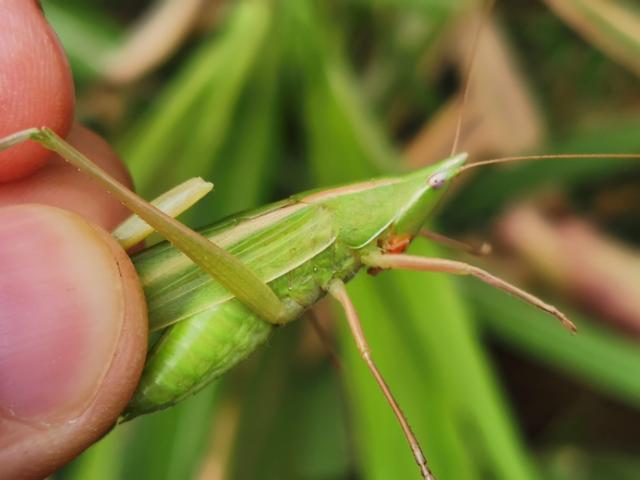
(271, 242)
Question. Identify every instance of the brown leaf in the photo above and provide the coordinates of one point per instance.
(611, 25)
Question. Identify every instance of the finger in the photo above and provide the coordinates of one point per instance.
(73, 328)
(63, 186)
(36, 88)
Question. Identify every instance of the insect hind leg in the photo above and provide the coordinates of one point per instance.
(222, 266)
(20, 137)
(173, 202)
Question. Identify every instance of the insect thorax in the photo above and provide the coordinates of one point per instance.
(303, 286)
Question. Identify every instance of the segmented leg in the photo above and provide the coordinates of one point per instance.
(339, 292)
(224, 267)
(324, 339)
(478, 250)
(173, 202)
(410, 262)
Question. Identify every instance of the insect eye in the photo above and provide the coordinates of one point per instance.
(437, 180)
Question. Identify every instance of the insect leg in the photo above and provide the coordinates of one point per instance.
(324, 339)
(481, 250)
(221, 265)
(427, 264)
(173, 202)
(339, 292)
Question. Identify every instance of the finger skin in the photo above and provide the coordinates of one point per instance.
(60, 185)
(44, 424)
(38, 436)
(36, 87)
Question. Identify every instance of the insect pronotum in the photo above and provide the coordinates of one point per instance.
(216, 295)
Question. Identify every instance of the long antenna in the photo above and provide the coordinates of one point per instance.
(467, 74)
(548, 156)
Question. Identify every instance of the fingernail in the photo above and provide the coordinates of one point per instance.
(61, 311)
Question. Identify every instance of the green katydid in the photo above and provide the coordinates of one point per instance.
(217, 295)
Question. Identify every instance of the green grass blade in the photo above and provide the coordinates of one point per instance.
(407, 363)
(419, 333)
(103, 461)
(305, 421)
(86, 33)
(483, 417)
(180, 135)
(597, 356)
(170, 444)
(251, 149)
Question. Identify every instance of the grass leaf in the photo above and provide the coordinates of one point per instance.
(611, 25)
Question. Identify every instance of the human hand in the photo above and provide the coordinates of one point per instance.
(73, 326)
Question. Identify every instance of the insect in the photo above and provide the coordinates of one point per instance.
(219, 294)
(303, 248)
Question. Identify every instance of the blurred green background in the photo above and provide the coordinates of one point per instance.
(269, 97)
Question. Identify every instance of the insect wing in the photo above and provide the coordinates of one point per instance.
(270, 244)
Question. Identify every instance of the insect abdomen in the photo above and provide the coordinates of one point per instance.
(193, 352)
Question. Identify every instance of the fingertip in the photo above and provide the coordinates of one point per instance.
(74, 329)
(37, 86)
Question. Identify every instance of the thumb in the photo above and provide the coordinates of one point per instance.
(73, 334)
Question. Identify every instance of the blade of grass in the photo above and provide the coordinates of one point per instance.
(250, 150)
(303, 435)
(87, 34)
(166, 445)
(415, 354)
(484, 420)
(259, 450)
(597, 356)
(169, 444)
(332, 138)
(103, 461)
(420, 387)
(181, 134)
(407, 33)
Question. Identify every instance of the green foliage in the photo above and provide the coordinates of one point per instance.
(276, 96)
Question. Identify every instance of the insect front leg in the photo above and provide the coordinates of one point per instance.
(221, 265)
(481, 250)
(399, 243)
(339, 292)
(324, 338)
(427, 264)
